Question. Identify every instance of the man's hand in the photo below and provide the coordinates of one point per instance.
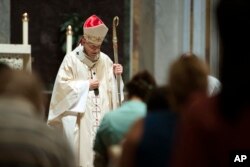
(93, 84)
(118, 69)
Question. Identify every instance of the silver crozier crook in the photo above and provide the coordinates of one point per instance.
(115, 46)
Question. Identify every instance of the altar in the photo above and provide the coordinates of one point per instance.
(18, 56)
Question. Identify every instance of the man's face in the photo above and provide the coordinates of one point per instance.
(92, 50)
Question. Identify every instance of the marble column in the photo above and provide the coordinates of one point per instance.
(157, 36)
(5, 21)
(163, 29)
(143, 36)
(199, 28)
(214, 41)
(168, 36)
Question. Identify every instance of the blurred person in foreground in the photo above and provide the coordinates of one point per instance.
(26, 140)
(187, 79)
(214, 85)
(215, 130)
(147, 139)
(149, 142)
(25, 85)
(115, 124)
(3, 66)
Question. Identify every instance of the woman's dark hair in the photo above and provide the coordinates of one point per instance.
(4, 66)
(141, 85)
(158, 99)
(25, 85)
(188, 74)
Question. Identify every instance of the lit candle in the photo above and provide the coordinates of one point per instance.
(25, 28)
(69, 39)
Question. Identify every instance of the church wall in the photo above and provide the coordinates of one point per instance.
(45, 18)
(168, 36)
(165, 29)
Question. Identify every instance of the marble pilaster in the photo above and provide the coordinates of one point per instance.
(143, 36)
(168, 36)
(5, 21)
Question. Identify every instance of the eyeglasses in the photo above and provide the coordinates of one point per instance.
(93, 46)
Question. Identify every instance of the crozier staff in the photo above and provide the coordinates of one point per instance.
(115, 47)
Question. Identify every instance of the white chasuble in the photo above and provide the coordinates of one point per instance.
(77, 110)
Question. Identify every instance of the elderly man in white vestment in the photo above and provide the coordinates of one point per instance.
(84, 90)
